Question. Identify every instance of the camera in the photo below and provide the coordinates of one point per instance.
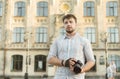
(77, 66)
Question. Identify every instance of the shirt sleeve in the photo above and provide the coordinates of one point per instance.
(53, 50)
(88, 52)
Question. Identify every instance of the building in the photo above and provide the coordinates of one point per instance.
(28, 28)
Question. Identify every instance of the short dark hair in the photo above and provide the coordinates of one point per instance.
(68, 16)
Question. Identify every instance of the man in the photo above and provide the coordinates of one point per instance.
(113, 67)
(68, 49)
(109, 72)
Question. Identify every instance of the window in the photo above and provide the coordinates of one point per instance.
(40, 63)
(17, 62)
(42, 8)
(89, 8)
(111, 8)
(18, 35)
(20, 9)
(113, 35)
(41, 35)
(116, 59)
(62, 31)
(1, 7)
(90, 34)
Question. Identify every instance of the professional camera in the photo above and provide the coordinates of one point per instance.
(77, 66)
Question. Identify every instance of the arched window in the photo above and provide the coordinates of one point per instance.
(17, 63)
(40, 63)
(42, 8)
(19, 9)
(41, 35)
(111, 8)
(89, 8)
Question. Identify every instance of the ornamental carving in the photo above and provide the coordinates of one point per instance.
(65, 7)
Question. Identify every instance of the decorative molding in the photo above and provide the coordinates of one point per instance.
(65, 7)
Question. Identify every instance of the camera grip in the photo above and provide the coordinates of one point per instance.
(67, 63)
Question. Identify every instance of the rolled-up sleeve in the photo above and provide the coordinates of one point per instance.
(53, 50)
(88, 51)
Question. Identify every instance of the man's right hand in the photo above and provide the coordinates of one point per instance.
(70, 63)
(67, 62)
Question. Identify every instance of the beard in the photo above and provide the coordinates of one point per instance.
(69, 31)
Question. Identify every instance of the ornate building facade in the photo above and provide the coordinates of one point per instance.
(28, 28)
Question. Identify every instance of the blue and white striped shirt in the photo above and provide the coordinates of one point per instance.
(64, 48)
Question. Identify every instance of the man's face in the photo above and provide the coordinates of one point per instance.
(70, 25)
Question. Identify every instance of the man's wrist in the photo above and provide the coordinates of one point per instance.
(82, 70)
(62, 62)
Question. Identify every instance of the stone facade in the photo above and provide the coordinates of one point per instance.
(53, 23)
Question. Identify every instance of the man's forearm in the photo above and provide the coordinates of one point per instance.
(55, 61)
(88, 66)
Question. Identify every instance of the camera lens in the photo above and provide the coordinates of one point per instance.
(77, 67)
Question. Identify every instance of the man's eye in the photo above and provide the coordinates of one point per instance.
(71, 22)
(66, 22)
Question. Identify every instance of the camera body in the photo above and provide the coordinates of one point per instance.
(77, 66)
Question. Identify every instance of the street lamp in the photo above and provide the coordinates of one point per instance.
(5, 39)
(28, 58)
(104, 37)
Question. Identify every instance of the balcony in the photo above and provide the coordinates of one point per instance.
(111, 19)
(114, 46)
(19, 20)
(17, 46)
(43, 20)
(41, 46)
(89, 20)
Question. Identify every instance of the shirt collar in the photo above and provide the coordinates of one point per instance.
(66, 37)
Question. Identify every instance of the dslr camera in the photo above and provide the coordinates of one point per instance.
(77, 66)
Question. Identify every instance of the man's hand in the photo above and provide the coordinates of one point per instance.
(70, 63)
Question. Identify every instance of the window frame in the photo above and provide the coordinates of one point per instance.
(1, 8)
(17, 60)
(42, 7)
(112, 8)
(113, 35)
(116, 59)
(36, 63)
(19, 9)
(20, 33)
(90, 32)
(89, 10)
(62, 31)
(41, 32)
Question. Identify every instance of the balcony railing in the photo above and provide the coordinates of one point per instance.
(18, 20)
(24, 46)
(89, 20)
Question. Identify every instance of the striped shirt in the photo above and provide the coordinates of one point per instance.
(64, 48)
